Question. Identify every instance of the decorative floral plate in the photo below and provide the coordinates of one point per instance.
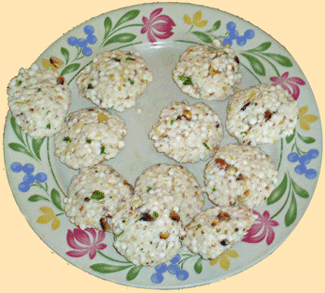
(161, 32)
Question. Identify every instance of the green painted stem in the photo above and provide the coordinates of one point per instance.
(78, 73)
(116, 30)
(39, 185)
(49, 160)
(268, 61)
(46, 187)
(112, 259)
(182, 262)
(128, 45)
(285, 203)
(59, 214)
(29, 149)
(281, 155)
(299, 150)
(79, 50)
(190, 29)
(251, 73)
(129, 25)
(190, 42)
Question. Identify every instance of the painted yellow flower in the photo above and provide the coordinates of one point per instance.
(306, 119)
(196, 21)
(53, 63)
(223, 258)
(48, 217)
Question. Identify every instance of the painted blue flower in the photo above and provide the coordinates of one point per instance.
(29, 178)
(173, 269)
(83, 42)
(234, 35)
(304, 160)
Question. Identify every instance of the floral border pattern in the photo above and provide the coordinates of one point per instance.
(89, 243)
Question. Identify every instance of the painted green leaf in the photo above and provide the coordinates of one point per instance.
(56, 199)
(107, 26)
(198, 266)
(36, 145)
(306, 139)
(279, 191)
(132, 14)
(133, 273)
(107, 269)
(299, 190)
(289, 138)
(121, 38)
(291, 214)
(17, 129)
(282, 60)
(256, 64)
(65, 54)
(70, 68)
(20, 148)
(261, 48)
(37, 197)
(202, 36)
(215, 26)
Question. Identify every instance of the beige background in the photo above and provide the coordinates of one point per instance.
(28, 265)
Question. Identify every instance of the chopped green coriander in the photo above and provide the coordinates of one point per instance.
(116, 59)
(67, 138)
(39, 89)
(172, 121)
(19, 82)
(206, 146)
(198, 226)
(132, 81)
(148, 189)
(218, 230)
(88, 141)
(48, 112)
(129, 58)
(128, 53)
(155, 214)
(90, 86)
(185, 80)
(98, 195)
(120, 234)
(213, 189)
(48, 126)
(103, 150)
(243, 132)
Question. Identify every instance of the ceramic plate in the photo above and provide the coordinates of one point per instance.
(161, 32)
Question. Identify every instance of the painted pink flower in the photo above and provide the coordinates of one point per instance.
(264, 224)
(285, 82)
(157, 26)
(85, 241)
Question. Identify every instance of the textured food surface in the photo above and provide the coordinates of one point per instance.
(216, 230)
(173, 186)
(175, 181)
(150, 234)
(39, 101)
(93, 197)
(240, 174)
(187, 133)
(208, 72)
(88, 137)
(114, 79)
(261, 114)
